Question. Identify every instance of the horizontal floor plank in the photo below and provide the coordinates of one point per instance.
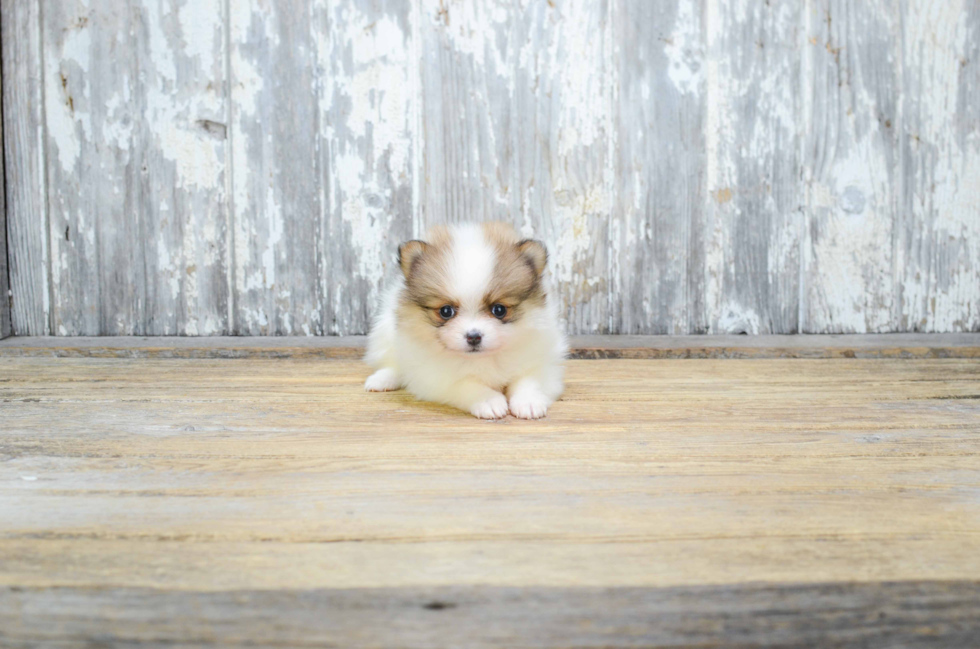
(906, 614)
(965, 345)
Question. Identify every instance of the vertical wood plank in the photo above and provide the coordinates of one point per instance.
(516, 128)
(5, 328)
(183, 133)
(134, 115)
(937, 286)
(23, 128)
(467, 72)
(277, 205)
(851, 165)
(657, 254)
(562, 110)
(367, 106)
(93, 167)
(753, 227)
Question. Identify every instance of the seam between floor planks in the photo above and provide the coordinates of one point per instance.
(965, 345)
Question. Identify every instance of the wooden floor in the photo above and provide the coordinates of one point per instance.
(196, 502)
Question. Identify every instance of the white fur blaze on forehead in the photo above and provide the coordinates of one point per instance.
(473, 261)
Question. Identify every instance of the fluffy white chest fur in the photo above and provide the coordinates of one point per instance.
(469, 324)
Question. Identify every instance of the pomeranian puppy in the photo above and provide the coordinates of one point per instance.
(469, 324)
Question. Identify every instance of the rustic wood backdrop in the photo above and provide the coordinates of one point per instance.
(695, 166)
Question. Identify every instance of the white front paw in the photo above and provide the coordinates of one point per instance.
(493, 408)
(382, 381)
(529, 406)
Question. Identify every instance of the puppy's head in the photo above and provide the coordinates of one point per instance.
(473, 288)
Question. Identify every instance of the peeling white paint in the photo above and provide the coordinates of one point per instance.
(940, 293)
(378, 90)
(166, 264)
(738, 319)
(684, 50)
(583, 111)
(273, 212)
(199, 163)
(117, 130)
(719, 168)
(247, 84)
(161, 49)
(367, 223)
(471, 27)
(577, 211)
(852, 183)
(367, 55)
(65, 77)
(200, 29)
(888, 234)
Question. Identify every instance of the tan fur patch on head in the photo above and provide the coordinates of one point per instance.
(437, 241)
(439, 236)
(517, 272)
(499, 235)
(427, 279)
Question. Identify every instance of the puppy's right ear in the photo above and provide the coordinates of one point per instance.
(410, 252)
(534, 252)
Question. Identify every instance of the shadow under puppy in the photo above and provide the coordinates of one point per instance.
(469, 324)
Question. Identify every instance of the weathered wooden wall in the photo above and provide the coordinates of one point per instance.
(695, 166)
(5, 324)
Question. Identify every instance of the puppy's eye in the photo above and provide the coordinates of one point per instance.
(498, 310)
(447, 312)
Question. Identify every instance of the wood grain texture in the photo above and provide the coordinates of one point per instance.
(752, 228)
(563, 117)
(657, 248)
(98, 284)
(368, 109)
(277, 195)
(852, 165)
(23, 147)
(467, 69)
(943, 615)
(134, 115)
(694, 166)
(793, 497)
(183, 199)
(5, 325)
(938, 234)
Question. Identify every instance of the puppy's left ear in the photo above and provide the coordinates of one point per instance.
(408, 253)
(535, 252)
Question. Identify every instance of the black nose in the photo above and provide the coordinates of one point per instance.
(473, 338)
